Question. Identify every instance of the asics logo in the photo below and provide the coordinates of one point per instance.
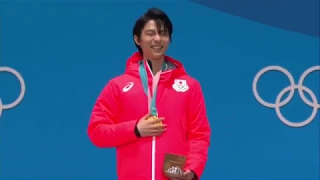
(127, 87)
(22, 90)
(301, 89)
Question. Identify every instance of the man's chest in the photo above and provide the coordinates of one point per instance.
(171, 97)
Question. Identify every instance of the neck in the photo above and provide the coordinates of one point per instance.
(156, 65)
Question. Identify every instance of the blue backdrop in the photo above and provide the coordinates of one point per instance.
(66, 51)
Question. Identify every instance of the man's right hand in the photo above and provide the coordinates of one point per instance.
(151, 127)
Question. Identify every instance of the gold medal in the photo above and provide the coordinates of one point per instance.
(154, 117)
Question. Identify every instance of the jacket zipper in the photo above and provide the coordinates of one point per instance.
(153, 147)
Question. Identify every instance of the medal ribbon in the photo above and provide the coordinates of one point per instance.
(153, 94)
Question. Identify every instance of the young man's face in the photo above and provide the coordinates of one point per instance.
(153, 43)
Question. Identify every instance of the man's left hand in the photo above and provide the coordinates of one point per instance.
(188, 175)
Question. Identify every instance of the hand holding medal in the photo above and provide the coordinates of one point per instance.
(150, 125)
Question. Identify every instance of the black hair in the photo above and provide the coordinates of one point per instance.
(161, 19)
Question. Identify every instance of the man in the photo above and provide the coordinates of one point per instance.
(152, 109)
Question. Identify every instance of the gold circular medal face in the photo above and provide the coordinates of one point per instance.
(152, 118)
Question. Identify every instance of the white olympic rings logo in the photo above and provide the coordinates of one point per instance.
(314, 104)
(22, 91)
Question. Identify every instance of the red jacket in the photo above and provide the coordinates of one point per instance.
(123, 102)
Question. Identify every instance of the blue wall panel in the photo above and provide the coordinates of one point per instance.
(66, 51)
